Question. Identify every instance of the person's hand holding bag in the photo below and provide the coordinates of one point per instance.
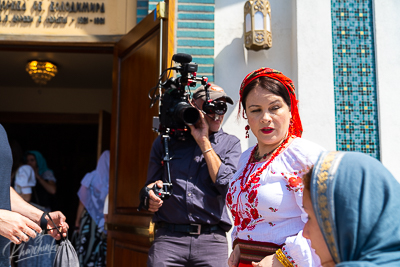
(58, 220)
(66, 254)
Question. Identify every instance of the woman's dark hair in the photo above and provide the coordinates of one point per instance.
(272, 85)
(307, 179)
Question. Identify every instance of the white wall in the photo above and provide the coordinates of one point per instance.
(302, 50)
(55, 100)
(387, 42)
(233, 62)
(315, 71)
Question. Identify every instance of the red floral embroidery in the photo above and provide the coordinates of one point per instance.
(272, 224)
(237, 220)
(252, 196)
(229, 199)
(272, 209)
(254, 213)
(294, 181)
(245, 222)
(245, 213)
(233, 213)
(289, 258)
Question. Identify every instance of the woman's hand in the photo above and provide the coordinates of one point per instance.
(233, 260)
(269, 261)
(50, 186)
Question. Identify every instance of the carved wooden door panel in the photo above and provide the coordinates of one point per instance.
(138, 58)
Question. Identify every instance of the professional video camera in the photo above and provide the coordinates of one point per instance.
(175, 110)
(176, 113)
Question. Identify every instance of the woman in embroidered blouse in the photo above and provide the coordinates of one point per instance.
(359, 217)
(265, 195)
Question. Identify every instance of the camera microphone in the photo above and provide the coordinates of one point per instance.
(182, 58)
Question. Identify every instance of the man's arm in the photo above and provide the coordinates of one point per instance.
(200, 134)
(154, 174)
(212, 159)
(22, 207)
(230, 163)
(19, 205)
(15, 226)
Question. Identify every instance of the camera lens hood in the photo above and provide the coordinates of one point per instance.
(187, 113)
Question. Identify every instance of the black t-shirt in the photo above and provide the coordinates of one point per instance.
(5, 179)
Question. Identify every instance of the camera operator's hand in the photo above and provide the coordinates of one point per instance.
(155, 202)
(200, 130)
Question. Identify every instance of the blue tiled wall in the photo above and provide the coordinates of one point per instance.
(195, 31)
(142, 9)
(354, 77)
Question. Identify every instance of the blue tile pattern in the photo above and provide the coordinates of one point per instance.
(357, 126)
(142, 7)
(195, 31)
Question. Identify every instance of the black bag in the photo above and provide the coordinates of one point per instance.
(65, 255)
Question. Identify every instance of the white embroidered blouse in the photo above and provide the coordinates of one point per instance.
(271, 210)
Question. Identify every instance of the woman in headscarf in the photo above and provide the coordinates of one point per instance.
(45, 188)
(91, 243)
(353, 205)
(265, 195)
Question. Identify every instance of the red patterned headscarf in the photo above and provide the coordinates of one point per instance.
(295, 128)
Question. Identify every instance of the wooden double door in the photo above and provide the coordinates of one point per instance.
(138, 59)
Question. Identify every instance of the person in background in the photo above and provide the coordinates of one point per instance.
(45, 187)
(19, 220)
(353, 208)
(22, 175)
(23, 180)
(91, 244)
(265, 195)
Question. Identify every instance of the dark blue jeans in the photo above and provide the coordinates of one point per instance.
(183, 250)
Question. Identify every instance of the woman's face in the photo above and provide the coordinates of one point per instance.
(268, 116)
(31, 160)
(313, 232)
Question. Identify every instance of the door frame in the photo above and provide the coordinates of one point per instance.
(129, 230)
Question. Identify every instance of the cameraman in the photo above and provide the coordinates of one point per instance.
(191, 225)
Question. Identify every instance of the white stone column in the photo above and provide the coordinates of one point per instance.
(387, 56)
(315, 84)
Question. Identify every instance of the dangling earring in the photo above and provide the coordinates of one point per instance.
(291, 128)
(247, 128)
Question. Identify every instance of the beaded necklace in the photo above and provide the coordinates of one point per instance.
(256, 157)
(255, 177)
